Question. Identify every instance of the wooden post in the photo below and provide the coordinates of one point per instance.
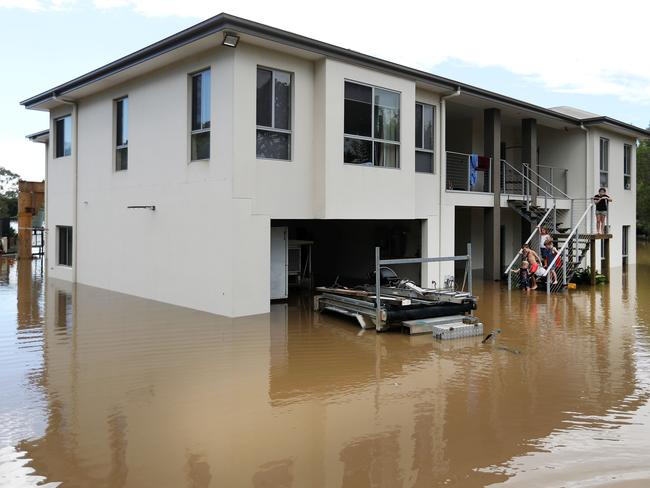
(592, 259)
(31, 198)
(606, 261)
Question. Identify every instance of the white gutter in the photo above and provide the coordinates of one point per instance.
(75, 146)
(443, 166)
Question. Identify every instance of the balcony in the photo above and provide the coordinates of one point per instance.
(474, 174)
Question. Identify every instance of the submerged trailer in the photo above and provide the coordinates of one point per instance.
(400, 302)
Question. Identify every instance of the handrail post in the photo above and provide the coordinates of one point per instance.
(377, 289)
(469, 267)
(469, 172)
(564, 281)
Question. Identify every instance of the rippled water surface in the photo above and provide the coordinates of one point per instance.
(100, 389)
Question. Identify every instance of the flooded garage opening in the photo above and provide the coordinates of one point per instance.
(341, 251)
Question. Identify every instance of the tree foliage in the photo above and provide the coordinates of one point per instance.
(8, 193)
(643, 187)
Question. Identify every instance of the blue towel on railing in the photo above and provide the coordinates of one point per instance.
(473, 169)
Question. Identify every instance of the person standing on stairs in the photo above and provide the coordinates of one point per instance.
(602, 201)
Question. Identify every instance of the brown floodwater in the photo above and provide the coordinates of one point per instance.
(100, 389)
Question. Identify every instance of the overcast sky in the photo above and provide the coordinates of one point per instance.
(587, 54)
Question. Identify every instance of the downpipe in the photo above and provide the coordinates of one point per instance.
(443, 166)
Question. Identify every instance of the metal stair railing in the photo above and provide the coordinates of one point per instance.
(552, 188)
(513, 278)
(512, 179)
(571, 254)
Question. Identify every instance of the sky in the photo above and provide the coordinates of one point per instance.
(587, 54)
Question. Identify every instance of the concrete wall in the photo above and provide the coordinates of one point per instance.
(623, 209)
(209, 235)
(564, 149)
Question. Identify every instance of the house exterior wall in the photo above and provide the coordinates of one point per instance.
(209, 235)
(622, 211)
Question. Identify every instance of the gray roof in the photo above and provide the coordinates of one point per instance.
(577, 113)
(227, 22)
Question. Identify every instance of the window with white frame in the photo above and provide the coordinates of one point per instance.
(273, 138)
(121, 134)
(371, 126)
(424, 138)
(625, 243)
(627, 166)
(200, 116)
(64, 243)
(604, 162)
(63, 136)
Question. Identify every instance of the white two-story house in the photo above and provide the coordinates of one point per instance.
(168, 170)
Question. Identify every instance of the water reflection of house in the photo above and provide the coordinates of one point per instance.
(216, 136)
(142, 393)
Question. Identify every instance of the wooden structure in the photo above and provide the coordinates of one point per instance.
(31, 198)
(604, 258)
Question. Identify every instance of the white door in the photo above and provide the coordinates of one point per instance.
(279, 263)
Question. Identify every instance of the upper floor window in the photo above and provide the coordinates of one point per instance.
(627, 166)
(200, 129)
(371, 126)
(273, 139)
(63, 136)
(424, 138)
(604, 162)
(121, 134)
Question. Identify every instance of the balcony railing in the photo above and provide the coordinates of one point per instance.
(462, 176)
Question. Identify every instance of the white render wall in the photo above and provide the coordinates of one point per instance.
(623, 209)
(208, 239)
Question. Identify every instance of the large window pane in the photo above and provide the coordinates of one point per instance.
(359, 93)
(357, 151)
(358, 110)
(427, 127)
(387, 99)
(386, 123)
(63, 136)
(282, 100)
(201, 100)
(386, 155)
(64, 245)
(386, 115)
(418, 125)
(122, 120)
(423, 162)
(603, 179)
(264, 97)
(201, 145)
(358, 118)
(121, 158)
(273, 145)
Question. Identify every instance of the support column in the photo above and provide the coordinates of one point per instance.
(529, 149)
(492, 148)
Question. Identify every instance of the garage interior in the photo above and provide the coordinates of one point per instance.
(341, 251)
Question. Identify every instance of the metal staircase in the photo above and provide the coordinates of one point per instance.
(538, 206)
